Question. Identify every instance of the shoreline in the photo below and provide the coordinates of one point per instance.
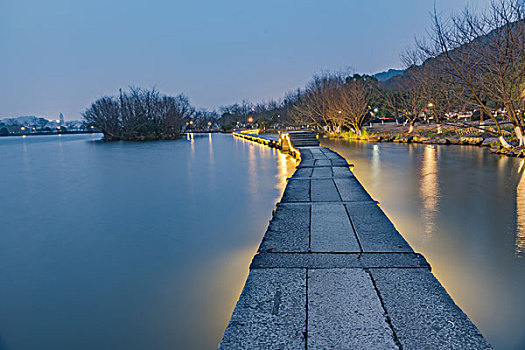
(476, 141)
(54, 133)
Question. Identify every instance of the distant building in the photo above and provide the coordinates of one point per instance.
(61, 119)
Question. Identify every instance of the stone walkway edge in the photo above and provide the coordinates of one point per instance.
(332, 272)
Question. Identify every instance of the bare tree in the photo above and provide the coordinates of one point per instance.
(138, 114)
(485, 57)
(315, 105)
(408, 94)
(353, 99)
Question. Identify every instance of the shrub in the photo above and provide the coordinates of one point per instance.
(139, 114)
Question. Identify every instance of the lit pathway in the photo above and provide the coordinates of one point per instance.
(332, 272)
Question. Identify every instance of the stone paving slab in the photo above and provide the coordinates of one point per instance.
(322, 172)
(321, 202)
(339, 162)
(317, 153)
(330, 154)
(394, 260)
(342, 172)
(331, 230)
(306, 154)
(374, 230)
(323, 162)
(332, 272)
(303, 173)
(324, 190)
(270, 313)
(344, 312)
(297, 191)
(343, 260)
(288, 230)
(422, 313)
(306, 163)
(351, 190)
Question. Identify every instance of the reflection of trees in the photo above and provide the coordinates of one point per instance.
(520, 213)
(252, 168)
(429, 189)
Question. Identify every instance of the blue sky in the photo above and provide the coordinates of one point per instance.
(58, 56)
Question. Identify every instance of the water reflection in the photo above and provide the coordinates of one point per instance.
(210, 149)
(520, 208)
(149, 240)
(286, 166)
(429, 189)
(376, 161)
(252, 166)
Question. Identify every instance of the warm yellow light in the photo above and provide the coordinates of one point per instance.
(22, 128)
(191, 122)
(58, 127)
(209, 123)
(431, 104)
(250, 120)
(92, 127)
(339, 112)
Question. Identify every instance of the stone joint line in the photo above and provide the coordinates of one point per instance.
(332, 271)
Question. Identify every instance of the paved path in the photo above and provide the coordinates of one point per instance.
(332, 272)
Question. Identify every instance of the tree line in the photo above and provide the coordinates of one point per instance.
(471, 61)
(468, 62)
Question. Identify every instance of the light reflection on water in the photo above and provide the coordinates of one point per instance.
(129, 245)
(429, 189)
(464, 210)
(520, 217)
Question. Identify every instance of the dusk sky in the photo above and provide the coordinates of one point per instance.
(58, 56)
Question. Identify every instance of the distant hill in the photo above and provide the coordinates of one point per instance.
(397, 80)
(27, 121)
(382, 76)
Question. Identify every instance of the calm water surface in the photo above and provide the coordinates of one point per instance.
(129, 245)
(147, 245)
(464, 209)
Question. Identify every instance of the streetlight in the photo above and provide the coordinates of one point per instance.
(250, 120)
(430, 105)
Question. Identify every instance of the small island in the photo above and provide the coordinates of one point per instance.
(138, 115)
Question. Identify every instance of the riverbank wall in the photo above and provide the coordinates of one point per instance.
(333, 272)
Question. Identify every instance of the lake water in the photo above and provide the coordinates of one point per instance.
(129, 245)
(147, 245)
(464, 209)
